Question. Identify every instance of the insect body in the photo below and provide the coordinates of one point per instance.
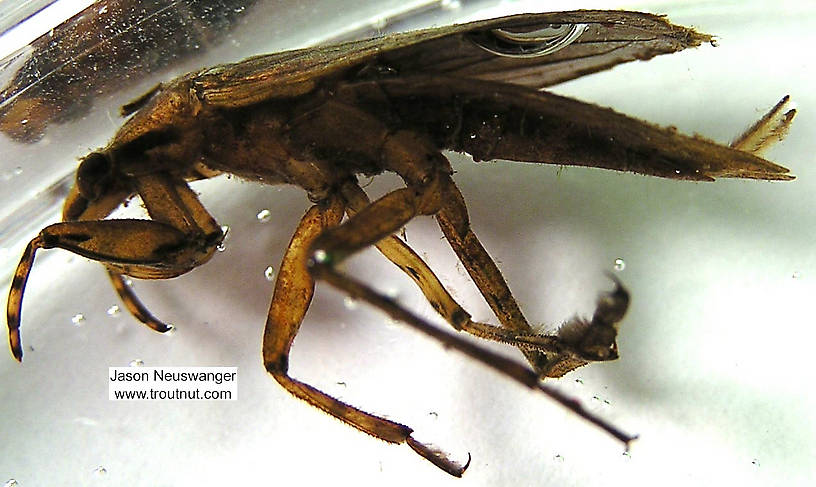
(318, 118)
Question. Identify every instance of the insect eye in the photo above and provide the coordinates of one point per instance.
(93, 173)
(521, 43)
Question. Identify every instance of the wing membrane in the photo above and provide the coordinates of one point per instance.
(610, 38)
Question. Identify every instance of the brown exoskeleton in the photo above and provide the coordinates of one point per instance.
(318, 118)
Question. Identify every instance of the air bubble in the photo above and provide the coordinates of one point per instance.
(136, 363)
(78, 319)
(223, 245)
(321, 256)
(451, 4)
(379, 23)
(796, 274)
(755, 462)
(269, 273)
(100, 470)
(114, 311)
(11, 483)
(9, 175)
(264, 215)
(350, 303)
(620, 264)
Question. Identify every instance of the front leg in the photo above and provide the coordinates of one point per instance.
(182, 237)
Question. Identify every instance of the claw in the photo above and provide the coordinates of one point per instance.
(438, 458)
(594, 341)
(613, 305)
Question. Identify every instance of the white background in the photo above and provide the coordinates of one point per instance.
(715, 371)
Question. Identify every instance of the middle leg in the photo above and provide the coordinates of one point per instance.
(577, 342)
(380, 220)
(595, 341)
(293, 294)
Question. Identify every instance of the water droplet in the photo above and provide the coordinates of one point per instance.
(264, 215)
(796, 274)
(136, 363)
(451, 4)
(350, 303)
(676, 171)
(24, 121)
(269, 273)
(620, 264)
(11, 483)
(114, 310)
(472, 136)
(78, 319)
(100, 470)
